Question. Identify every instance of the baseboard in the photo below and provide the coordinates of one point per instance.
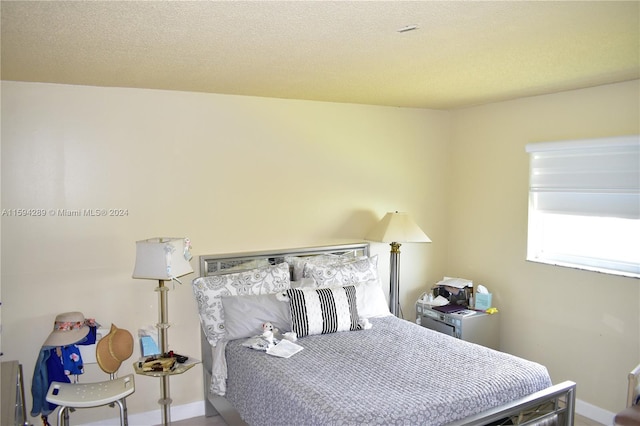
(178, 412)
(594, 413)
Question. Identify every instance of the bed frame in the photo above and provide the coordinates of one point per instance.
(552, 406)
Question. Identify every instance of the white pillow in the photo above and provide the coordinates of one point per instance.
(371, 300)
(369, 297)
(304, 283)
(358, 271)
(244, 315)
(208, 292)
(297, 263)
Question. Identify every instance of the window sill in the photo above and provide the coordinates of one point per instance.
(585, 268)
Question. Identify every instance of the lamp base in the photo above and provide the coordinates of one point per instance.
(394, 281)
(165, 401)
(163, 325)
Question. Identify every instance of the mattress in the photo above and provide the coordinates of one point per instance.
(394, 373)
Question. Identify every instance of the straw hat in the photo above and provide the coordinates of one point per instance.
(114, 348)
(68, 328)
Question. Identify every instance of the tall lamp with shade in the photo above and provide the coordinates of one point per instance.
(396, 228)
(163, 259)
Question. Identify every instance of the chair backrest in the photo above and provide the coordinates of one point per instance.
(633, 392)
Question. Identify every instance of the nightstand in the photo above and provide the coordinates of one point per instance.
(471, 326)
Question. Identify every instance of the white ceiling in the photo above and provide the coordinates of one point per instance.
(463, 53)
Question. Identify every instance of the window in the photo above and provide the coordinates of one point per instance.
(584, 204)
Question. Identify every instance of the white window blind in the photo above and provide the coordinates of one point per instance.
(598, 177)
(584, 204)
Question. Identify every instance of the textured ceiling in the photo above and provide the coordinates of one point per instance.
(462, 54)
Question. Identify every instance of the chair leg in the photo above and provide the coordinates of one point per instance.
(68, 410)
(126, 414)
(123, 412)
(63, 421)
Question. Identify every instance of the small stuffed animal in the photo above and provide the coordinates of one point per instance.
(270, 333)
(267, 332)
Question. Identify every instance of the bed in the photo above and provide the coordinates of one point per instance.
(368, 367)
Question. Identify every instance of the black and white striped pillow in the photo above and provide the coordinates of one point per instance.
(323, 310)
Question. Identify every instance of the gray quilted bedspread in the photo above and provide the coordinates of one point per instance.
(394, 373)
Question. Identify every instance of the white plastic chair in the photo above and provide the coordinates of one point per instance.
(79, 395)
(630, 416)
(633, 388)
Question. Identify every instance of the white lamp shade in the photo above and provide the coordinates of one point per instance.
(161, 259)
(397, 227)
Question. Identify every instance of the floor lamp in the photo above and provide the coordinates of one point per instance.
(163, 259)
(396, 228)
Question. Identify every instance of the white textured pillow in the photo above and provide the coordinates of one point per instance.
(244, 315)
(371, 300)
(297, 263)
(369, 297)
(304, 283)
(358, 271)
(208, 292)
(323, 310)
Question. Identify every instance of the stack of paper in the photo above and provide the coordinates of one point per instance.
(284, 349)
(455, 282)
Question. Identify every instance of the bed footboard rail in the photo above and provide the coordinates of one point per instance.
(552, 406)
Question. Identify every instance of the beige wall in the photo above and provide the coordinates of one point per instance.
(231, 173)
(583, 326)
(241, 173)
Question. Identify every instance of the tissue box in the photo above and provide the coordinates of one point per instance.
(483, 301)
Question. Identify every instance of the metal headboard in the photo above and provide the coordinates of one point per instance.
(216, 264)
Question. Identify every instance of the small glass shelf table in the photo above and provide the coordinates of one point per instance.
(165, 400)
